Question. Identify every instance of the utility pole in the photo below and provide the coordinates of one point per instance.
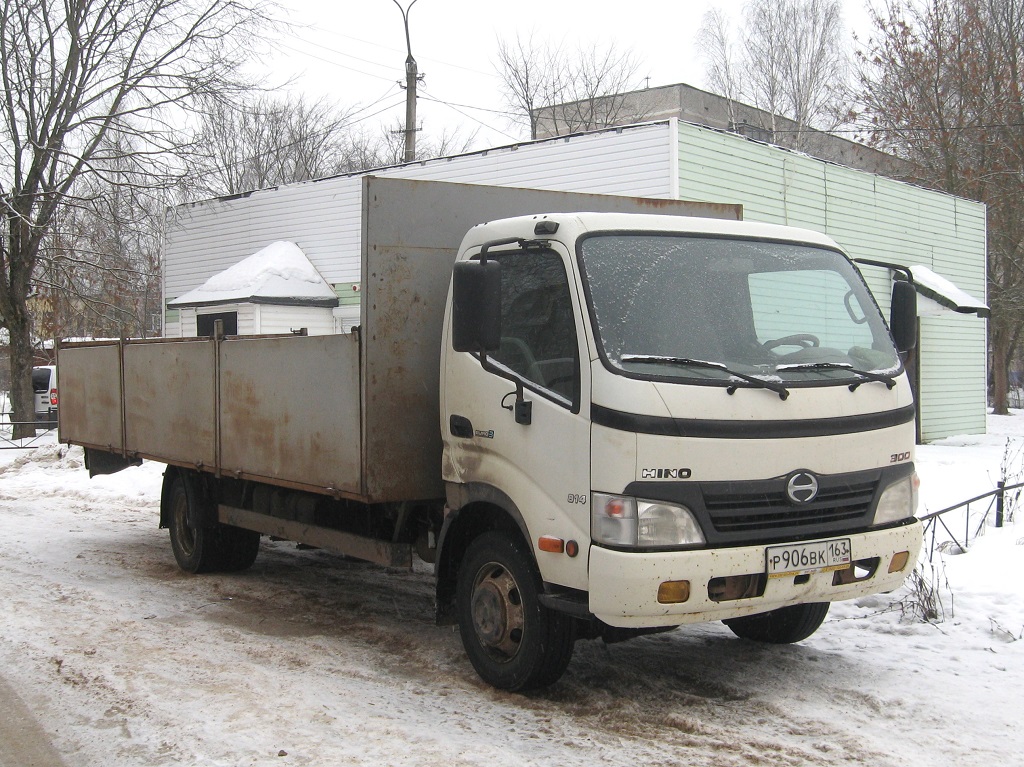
(412, 76)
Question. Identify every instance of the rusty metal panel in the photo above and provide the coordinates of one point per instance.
(90, 395)
(169, 398)
(290, 411)
(358, 546)
(411, 231)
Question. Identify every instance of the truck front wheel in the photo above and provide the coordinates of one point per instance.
(782, 626)
(512, 640)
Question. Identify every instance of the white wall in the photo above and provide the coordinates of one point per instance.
(256, 319)
(323, 217)
(317, 320)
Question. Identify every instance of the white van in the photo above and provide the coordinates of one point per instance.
(44, 384)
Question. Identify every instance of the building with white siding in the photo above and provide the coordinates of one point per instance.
(871, 216)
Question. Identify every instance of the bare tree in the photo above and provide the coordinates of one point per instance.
(99, 267)
(765, 42)
(943, 86)
(265, 141)
(555, 92)
(78, 76)
(791, 60)
(385, 147)
(721, 58)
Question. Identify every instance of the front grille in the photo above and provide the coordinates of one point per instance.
(734, 511)
(753, 512)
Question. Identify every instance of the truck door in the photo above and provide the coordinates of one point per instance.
(543, 466)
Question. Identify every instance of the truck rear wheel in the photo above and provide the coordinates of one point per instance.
(782, 626)
(195, 548)
(201, 548)
(238, 548)
(512, 640)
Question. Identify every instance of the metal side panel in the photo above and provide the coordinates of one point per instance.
(169, 400)
(290, 411)
(90, 395)
(358, 546)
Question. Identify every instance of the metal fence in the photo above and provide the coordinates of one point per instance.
(9, 442)
(1001, 503)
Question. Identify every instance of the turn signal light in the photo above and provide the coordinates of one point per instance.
(899, 561)
(673, 592)
(551, 543)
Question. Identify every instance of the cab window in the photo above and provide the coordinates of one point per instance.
(538, 337)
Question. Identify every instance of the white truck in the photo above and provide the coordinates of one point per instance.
(594, 424)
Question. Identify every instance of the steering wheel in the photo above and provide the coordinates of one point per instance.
(803, 340)
(516, 355)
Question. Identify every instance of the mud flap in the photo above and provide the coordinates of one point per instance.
(100, 462)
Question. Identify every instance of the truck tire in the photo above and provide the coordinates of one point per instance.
(782, 626)
(512, 640)
(196, 549)
(238, 548)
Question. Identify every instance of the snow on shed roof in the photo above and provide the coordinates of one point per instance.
(944, 293)
(278, 274)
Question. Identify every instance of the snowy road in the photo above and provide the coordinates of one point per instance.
(309, 659)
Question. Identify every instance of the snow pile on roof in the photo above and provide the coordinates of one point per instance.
(279, 273)
(945, 293)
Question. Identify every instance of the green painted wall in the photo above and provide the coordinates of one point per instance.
(870, 217)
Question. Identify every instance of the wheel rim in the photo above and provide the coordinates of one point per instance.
(497, 612)
(183, 534)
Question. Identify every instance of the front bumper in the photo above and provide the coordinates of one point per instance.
(624, 585)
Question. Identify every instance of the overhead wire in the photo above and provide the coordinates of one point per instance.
(393, 50)
(335, 63)
(455, 108)
(425, 95)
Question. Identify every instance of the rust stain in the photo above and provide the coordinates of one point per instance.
(691, 208)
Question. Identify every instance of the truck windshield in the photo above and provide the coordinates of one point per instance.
(719, 309)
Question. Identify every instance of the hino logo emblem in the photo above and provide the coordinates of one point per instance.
(665, 473)
(802, 487)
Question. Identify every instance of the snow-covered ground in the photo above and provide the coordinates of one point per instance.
(311, 659)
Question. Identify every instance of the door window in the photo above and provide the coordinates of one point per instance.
(538, 336)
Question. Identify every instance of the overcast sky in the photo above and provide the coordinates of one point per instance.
(354, 51)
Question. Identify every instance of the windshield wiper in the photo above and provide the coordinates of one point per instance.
(889, 381)
(658, 359)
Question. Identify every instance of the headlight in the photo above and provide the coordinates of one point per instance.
(898, 501)
(620, 520)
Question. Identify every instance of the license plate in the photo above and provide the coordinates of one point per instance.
(803, 558)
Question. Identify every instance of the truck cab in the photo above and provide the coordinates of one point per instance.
(654, 420)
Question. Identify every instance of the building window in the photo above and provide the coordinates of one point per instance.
(204, 323)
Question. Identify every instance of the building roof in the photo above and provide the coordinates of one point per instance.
(942, 295)
(694, 105)
(278, 274)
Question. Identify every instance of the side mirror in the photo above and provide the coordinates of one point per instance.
(903, 315)
(476, 306)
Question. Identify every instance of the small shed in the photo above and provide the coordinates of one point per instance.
(275, 290)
